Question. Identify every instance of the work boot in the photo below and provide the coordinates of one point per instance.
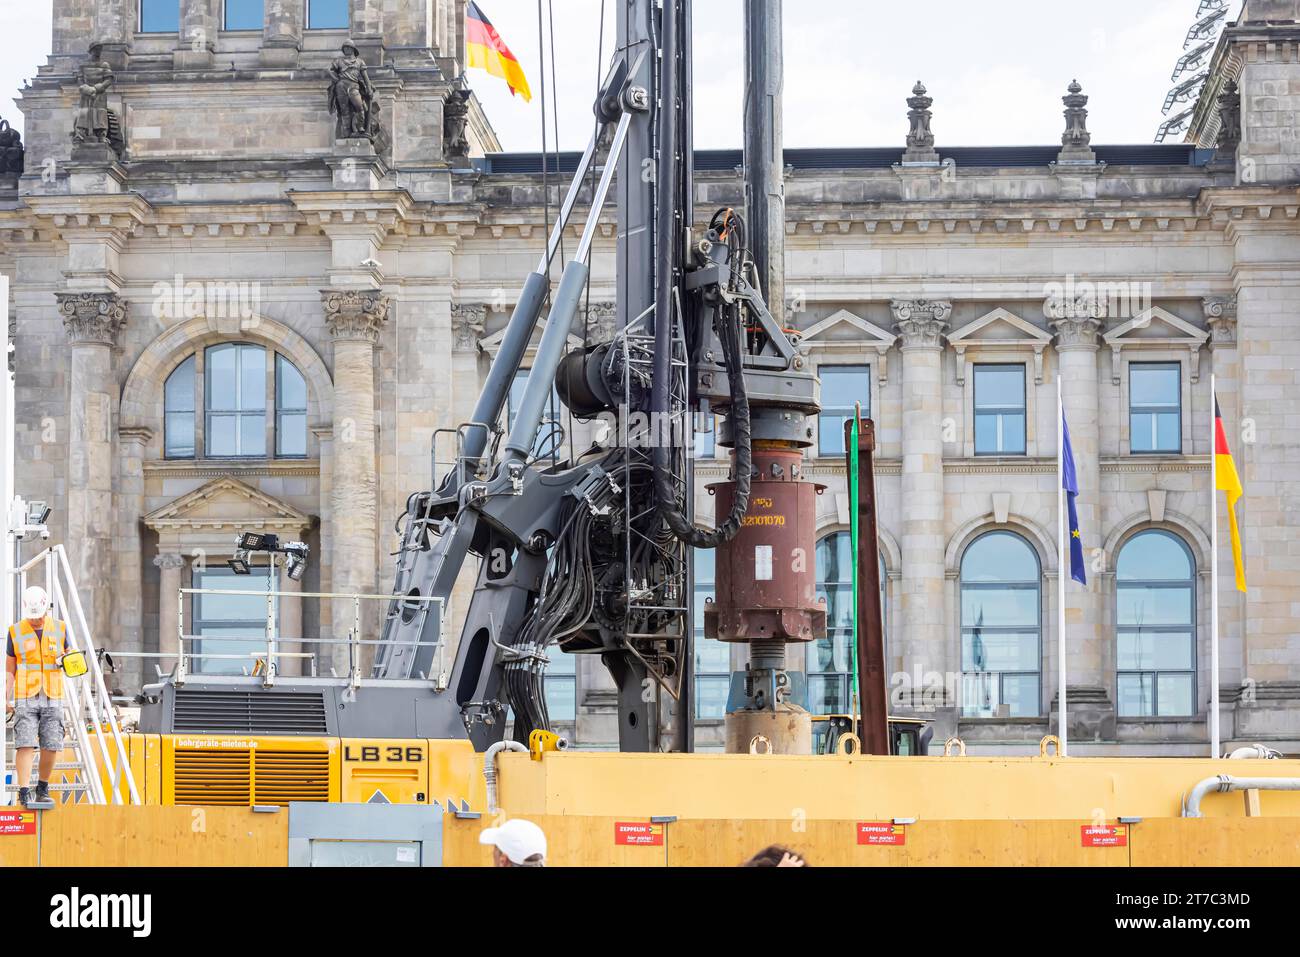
(42, 795)
(22, 796)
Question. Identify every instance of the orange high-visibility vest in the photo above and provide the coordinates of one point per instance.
(38, 658)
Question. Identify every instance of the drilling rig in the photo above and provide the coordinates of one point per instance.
(593, 554)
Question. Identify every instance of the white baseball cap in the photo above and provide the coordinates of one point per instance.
(35, 602)
(517, 839)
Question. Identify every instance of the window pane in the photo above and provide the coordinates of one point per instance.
(829, 654)
(1155, 651)
(1013, 434)
(1000, 557)
(229, 617)
(1136, 695)
(221, 364)
(179, 391)
(712, 656)
(1020, 693)
(706, 443)
(1141, 430)
(835, 558)
(839, 605)
(999, 607)
(1154, 606)
(291, 388)
(827, 694)
(291, 434)
(221, 434)
(842, 386)
(999, 651)
(327, 14)
(999, 387)
(1154, 385)
(252, 378)
(252, 435)
(1175, 694)
(1168, 437)
(160, 16)
(244, 14)
(711, 696)
(830, 434)
(1154, 556)
(179, 428)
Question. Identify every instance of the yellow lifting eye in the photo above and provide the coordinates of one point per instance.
(540, 741)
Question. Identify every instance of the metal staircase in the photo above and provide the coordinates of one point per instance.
(94, 768)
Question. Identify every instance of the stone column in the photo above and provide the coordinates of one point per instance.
(169, 565)
(290, 628)
(92, 321)
(354, 318)
(1091, 710)
(927, 644)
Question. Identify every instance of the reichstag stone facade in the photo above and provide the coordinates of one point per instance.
(256, 265)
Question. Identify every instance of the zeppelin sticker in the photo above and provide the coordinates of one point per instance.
(763, 563)
(1104, 835)
(882, 833)
(638, 834)
(17, 822)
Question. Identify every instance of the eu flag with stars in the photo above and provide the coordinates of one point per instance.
(1070, 482)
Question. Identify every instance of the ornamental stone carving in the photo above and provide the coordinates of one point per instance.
(1077, 332)
(467, 323)
(1229, 104)
(455, 120)
(1076, 138)
(1221, 317)
(169, 560)
(352, 96)
(354, 314)
(602, 321)
(920, 139)
(94, 80)
(92, 316)
(921, 323)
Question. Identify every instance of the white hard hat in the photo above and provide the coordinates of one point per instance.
(35, 602)
(517, 839)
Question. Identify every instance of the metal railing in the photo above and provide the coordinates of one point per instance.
(87, 703)
(265, 660)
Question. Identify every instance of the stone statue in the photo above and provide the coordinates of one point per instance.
(94, 81)
(11, 149)
(1229, 104)
(920, 138)
(455, 118)
(352, 98)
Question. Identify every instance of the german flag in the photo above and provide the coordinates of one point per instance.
(1226, 480)
(485, 49)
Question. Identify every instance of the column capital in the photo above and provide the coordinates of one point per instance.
(602, 321)
(92, 316)
(1077, 332)
(169, 560)
(1221, 317)
(354, 314)
(921, 322)
(467, 323)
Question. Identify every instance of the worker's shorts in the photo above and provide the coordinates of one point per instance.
(38, 724)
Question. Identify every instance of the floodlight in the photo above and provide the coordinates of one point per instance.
(239, 565)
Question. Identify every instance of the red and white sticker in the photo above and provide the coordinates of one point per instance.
(882, 833)
(638, 834)
(1104, 835)
(17, 822)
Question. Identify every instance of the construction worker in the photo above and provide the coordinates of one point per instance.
(34, 693)
(516, 843)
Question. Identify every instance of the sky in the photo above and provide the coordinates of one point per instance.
(997, 70)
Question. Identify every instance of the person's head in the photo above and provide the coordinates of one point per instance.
(35, 603)
(516, 843)
(350, 48)
(95, 50)
(776, 855)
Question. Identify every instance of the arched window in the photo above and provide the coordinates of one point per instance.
(1001, 627)
(830, 659)
(243, 389)
(1155, 626)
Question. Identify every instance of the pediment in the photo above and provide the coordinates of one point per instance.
(1001, 326)
(999, 329)
(1156, 324)
(844, 326)
(492, 344)
(1155, 328)
(227, 503)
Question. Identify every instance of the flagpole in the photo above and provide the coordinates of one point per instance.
(1215, 743)
(1061, 573)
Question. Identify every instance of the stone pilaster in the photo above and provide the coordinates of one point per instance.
(926, 644)
(282, 32)
(1092, 713)
(354, 319)
(92, 321)
(199, 22)
(169, 565)
(133, 444)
